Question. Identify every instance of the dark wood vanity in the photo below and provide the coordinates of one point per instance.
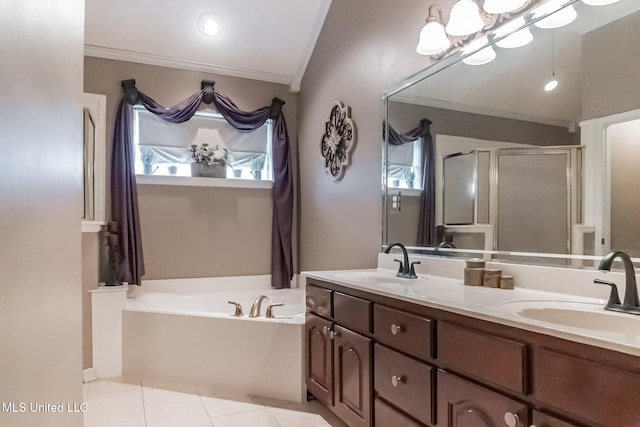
(380, 361)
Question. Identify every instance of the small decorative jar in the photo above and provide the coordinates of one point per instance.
(506, 282)
(473, 272)
(491, 278)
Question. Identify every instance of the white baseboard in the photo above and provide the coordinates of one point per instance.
(89, 375)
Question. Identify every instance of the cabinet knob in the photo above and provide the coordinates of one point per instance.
(325, 330)
(333, 334)
(396, 380)
(511, 419)
(396, 329)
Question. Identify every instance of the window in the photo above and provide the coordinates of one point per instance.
(162, 148)
(405, 165)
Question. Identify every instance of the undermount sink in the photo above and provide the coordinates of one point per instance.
(581, 315)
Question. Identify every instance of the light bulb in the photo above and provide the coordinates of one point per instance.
(599, 2)
(559, 17)
(433, 39)
(517, 39)
(464, 19)
(496, 7)
(482, 56)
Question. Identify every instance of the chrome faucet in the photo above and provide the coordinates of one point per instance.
(631, 303)
(405, 270)
(255, 308)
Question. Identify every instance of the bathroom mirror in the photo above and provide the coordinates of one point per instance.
(522, 173)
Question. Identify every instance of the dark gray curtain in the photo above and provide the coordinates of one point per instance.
(124, 202)
(427, 220)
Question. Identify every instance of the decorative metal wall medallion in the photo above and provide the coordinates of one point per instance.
(338, 140)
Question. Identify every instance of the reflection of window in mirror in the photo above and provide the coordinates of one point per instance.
(405, 166)
(93, 166)
(163, 148)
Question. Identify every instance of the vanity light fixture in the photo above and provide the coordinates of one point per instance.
(433, 39)
(503, 6)
(464, 19)
(518, 39)
(210, 24)
(558, 19)
(599, 2)
(482, 56)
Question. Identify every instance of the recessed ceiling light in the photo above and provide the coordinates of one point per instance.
(210, 24)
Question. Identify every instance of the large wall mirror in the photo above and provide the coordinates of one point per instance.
(521, 173)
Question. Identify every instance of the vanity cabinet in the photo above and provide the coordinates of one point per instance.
(381, 361)
(338, 357)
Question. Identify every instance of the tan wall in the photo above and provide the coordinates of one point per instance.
(90, 278)
(364, 48)
(611, 66)
(625, 192)
(40, 208)
(490, 128)
(197, 231)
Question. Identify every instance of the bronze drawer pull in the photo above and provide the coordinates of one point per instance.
(397, 380)
(396, 329)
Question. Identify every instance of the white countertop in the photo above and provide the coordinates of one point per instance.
(499, 305)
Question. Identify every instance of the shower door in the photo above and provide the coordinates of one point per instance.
(534, 200)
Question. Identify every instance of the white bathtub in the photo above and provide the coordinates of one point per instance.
(183, 331)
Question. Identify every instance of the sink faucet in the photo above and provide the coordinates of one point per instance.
(631, 303)
(255, 308)
(405, 270)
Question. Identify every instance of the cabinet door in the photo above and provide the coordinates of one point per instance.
(319, 358)
(464, 404)
(352, 380)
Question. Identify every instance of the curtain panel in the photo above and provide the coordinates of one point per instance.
(427, 219)
(124, 201)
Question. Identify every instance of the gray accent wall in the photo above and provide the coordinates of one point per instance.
(40, 208)
(364, 47)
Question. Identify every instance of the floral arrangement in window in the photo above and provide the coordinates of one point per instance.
(213, 156)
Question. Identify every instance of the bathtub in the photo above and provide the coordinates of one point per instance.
(183, 330)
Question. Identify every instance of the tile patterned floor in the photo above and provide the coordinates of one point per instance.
(135, 402)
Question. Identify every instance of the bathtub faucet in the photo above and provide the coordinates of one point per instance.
(255, 308)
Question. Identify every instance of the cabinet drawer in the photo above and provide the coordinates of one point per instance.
(404, 382)
(544, 420)
(600, 394)
(486, 357)
(385, 415)
(462, 403)
(352, 312)
(319, 300)
(403, 331)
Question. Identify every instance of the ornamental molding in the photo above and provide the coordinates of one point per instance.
(338, 140)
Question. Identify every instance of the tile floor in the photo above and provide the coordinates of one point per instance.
(135, 402)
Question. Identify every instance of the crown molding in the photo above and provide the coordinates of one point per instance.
(163, 61)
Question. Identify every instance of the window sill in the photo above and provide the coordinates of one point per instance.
(411, 192)
(189, 181)
(91, 226)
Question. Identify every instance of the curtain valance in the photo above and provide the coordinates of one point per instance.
(124, 200)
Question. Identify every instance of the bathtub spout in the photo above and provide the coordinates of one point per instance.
(255, 308)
